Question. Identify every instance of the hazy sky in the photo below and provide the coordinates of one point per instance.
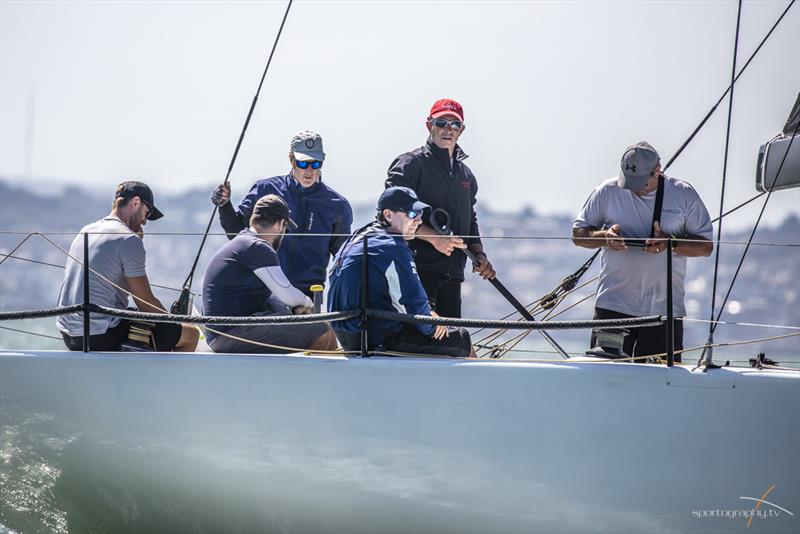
(97, 92)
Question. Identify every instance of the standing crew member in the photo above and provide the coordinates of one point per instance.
(244, 278)
(438, 174)
(393, 284)
(633, 279)
(116, 252)
(316, 208)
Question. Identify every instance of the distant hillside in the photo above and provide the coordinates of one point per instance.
(767, 290)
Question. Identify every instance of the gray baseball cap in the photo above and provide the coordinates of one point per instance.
(307, 146)
(638, 163)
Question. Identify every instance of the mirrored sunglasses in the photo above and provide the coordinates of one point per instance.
(455, 124)
(306, 164)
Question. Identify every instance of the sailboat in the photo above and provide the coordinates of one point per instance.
(144, 441)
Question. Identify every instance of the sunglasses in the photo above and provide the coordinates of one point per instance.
(413, 214)
(306, 164)
(454, 124)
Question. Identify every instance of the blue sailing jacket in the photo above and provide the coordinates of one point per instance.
(316, 210)
(393, 282)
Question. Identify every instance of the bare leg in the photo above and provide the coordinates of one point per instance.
(190, 335)
(326, 342)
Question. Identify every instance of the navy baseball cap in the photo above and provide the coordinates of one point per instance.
(400, 199)
(143, 191)
(638, 163)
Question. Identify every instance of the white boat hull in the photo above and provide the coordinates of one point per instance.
(330, 444)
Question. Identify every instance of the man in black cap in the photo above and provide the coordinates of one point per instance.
(117, 259)
(244, 278)
(622, 215)
(393, 284)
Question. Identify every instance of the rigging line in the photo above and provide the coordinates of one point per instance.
(31, 260)
(18, 245)
(747, 247)
(519, 337)
(730, 87)
(724, 177)
(743, 204)
(31, 333)
(190, 277)
(778, 326)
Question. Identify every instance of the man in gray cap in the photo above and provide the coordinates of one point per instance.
(318, 210)
(625, 216)
(117, 258)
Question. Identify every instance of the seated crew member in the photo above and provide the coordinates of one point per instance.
(245, 278)
(317, 209)
(633, 280)
(116, 252)
(394, 284)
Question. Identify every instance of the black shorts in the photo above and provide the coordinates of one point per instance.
(409, 340)
(166, 336)
(644, 340)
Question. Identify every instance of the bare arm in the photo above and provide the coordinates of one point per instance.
(443, 243)
(145, 300)
(588, 238)
(698, 247)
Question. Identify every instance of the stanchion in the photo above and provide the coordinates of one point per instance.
(316, 291)
(364, 292)
(86, 313)
(670, 318)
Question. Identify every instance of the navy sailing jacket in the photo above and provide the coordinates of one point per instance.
(393, 282)
(427, 171)
(316, 210)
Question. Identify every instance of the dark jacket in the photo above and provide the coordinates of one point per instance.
(316, 210)
(393, 283)
(427, 171)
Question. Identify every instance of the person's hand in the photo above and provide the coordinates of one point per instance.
(656, 244)
(447, 244)
(221, 195)
(613, 241)
(440, 332)
(303, 310)
(483, 267)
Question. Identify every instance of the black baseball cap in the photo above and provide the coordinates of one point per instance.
(399, 198)
(143, 191)
(274, 205)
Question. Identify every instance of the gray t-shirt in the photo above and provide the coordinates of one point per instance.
(116, 253)
(632, 281)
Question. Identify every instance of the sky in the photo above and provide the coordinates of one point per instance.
(553, 92)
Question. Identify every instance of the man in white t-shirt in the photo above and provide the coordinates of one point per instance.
(117, 260)
(619, 217)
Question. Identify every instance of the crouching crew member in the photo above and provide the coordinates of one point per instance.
(316, 208)
(394, 284)
(244, 278)
(117, 259)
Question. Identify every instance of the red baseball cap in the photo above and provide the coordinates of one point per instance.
(447, 106)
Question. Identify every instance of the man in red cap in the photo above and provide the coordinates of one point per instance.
(437, 173)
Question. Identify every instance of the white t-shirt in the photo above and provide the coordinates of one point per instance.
(632, 281)
(116, 253)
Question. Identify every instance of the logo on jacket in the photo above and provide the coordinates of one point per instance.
(465, 184)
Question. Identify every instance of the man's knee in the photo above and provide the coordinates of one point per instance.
(190, 336)
(327, 341)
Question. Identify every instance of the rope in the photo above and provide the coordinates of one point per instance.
(651, 320)
(693, 320)
(31, 260)
(39, 314)
(187, 284)
(724, 176)
(224, 321)
(747, 248)
(31, 333)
